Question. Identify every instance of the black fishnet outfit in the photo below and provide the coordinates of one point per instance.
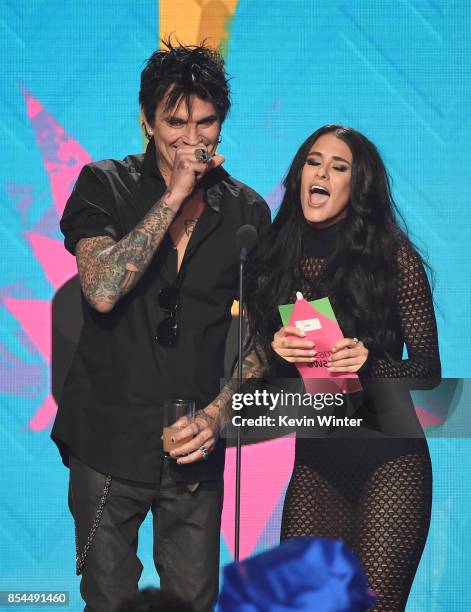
(374, 492)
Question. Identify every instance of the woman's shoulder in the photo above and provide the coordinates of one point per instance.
(413, 270)
(407, 254)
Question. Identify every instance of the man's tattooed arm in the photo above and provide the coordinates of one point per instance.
(109, 269)
(252, 367)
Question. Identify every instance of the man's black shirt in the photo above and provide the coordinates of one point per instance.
(110, 413)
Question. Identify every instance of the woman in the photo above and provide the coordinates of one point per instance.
(336, 235)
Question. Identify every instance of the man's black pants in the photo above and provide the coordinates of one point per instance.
(186, 536)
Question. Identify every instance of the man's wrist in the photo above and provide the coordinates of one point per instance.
(213, 411)
(172, 200)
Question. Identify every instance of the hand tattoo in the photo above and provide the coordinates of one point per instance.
(209, 420)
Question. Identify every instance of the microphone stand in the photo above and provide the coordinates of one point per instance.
(240, 339)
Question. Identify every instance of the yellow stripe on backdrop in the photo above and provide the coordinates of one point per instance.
(192, 21)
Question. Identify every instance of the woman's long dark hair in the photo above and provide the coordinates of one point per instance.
(361, 275)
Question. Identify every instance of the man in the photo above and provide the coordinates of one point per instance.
(154, 237)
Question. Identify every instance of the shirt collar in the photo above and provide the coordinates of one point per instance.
(212, 183)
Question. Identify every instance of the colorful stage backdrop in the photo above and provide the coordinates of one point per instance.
(397, 71)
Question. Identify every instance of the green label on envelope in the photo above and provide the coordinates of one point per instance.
(323, 306)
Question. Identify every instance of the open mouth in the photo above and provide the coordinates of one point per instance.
(318, 195)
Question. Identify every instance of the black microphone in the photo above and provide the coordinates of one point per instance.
(246, 239)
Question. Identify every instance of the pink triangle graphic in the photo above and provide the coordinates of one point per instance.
(63, 156)
(44, 414)
(266, 469)
(34, 317)
(427, 418)
(58, 264)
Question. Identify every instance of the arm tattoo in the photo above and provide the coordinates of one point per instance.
(108, 269)
(252, 367)
(128, 277)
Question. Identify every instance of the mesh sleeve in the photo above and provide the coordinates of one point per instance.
(418, 327)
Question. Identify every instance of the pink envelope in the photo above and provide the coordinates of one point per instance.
(324, 332)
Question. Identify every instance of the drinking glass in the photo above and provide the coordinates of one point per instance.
(174, 409)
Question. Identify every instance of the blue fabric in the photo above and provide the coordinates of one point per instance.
(302, 573)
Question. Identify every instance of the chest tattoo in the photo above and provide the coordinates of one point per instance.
(190, 226)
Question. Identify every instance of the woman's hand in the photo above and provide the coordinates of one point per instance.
(348, 355)
(294, 350)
